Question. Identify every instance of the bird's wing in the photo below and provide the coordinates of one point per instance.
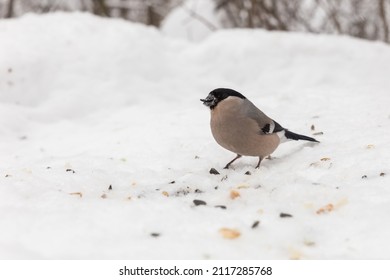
(265, 123)
(272, 127)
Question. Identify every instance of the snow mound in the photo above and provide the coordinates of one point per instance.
(104, 144)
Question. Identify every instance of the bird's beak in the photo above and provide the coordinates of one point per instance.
(208, 101)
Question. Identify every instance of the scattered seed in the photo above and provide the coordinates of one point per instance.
(198, 202)
(326, 209)
(48, 167)
(285, 215)
(182, 192)
(7, 175)
(224, 178)
(216, 188)
(214, 171)
(196, 157)
(255, 224)
(248, 173)
(382, 174)
(77, 193)
(313, 127)
(155, 234)
(165, 193)
(110, 187)
(325, 159)
(364, 176)
(234, 194)
(309, 243)
(220, 206)
(229, 233)
(172, 182)
(198, 191)
(318, 133)
(295, 254)
(103, 196)
(70, 170)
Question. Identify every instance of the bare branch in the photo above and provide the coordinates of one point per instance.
(200, 18)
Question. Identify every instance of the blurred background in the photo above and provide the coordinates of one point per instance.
(367, 19)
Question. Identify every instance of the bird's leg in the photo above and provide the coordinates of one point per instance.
(258, 164)
(227, 165)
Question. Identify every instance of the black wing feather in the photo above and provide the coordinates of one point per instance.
(278, 127)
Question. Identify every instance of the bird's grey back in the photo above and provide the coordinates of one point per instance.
(251, 111)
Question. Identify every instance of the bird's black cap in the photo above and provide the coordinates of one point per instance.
(219, 94)
(222, 93)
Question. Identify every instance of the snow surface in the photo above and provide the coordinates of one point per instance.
(193, 20)
(118, 104)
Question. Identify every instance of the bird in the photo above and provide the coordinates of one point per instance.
(240, 127)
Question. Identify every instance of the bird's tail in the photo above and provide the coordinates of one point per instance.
(293, 136)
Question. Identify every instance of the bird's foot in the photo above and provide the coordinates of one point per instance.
(229, 163)
(258, 164)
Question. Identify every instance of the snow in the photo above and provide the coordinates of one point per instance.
(118, 104)
(193, 20)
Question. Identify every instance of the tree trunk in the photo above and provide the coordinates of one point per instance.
(10, 9)
(100, 8)
(382, 12)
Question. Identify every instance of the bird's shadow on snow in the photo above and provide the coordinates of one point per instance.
(292, 152)
(275, 160)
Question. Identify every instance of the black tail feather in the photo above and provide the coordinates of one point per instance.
(294, 136)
